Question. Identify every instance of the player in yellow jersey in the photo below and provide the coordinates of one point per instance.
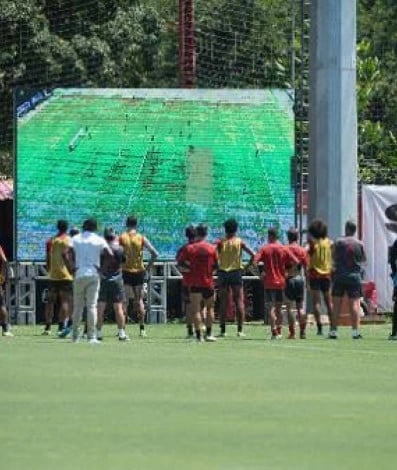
(230, 274)
(320, 269)
(60, 283)
(5, 331)
(134, 270)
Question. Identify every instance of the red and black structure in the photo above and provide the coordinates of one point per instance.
(187, 45)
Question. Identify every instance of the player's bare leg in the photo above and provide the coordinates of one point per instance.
(208, 308)
(355, 312)
(129, 295)
(316, 296)
(48, 315)
(302, 319)
(238, 297)
(291, 319)
(279, 318)
(139, 308)
(65, 313)
(4, 321)
(101, 306)
(271, 309)
(195, 301)
(223, 302)
(329, 305)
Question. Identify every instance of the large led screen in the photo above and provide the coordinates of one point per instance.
(170, 157)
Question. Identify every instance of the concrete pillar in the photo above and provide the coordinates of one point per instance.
(333, 114)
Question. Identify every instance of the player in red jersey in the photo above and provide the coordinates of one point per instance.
(190, 233)
(202, 259)
(275, 258)
(295, 285)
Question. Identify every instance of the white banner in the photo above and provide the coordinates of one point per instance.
(379, 232)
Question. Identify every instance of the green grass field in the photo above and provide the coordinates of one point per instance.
(162, 402)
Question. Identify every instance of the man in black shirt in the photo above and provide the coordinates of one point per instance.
(112, 286)
(393, 265)
(348, 255)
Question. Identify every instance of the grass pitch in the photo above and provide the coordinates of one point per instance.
(162, 402)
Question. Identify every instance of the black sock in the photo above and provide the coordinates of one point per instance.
(61, 325)
(48, 326)
(4, 327)
(198, 334)
(190, 330)
(223, 328)
(141, 327)
(239, 328)
(208, 330)
(69, 323)
(319, 327)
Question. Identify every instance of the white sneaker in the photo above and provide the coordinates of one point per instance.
(8, 334)
(123, 336)
(142, 334)
(210, 339)
(99, 335)
(241, 334)
(93, 341)
(223, 335)
(46, 333)
(276, 337)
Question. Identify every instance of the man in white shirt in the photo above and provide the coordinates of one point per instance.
(83, 258)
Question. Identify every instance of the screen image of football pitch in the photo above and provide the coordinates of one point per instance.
(171, 157)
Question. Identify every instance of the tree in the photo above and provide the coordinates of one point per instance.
(377, 91)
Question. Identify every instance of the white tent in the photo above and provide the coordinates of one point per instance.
(379, 233)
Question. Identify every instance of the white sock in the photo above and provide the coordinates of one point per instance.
(355, 332)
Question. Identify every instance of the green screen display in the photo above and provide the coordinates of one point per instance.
(170, 157)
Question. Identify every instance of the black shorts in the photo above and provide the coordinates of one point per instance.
(134, 279)
(295, 288)
(206, 292)
(58, 287)
(112, 290)
(274, 295)
(322, 284)
(230, 278)
(349, 285)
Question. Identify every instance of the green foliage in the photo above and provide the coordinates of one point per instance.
(377, 91)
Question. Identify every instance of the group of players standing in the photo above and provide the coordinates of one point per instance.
(87, 272)
(95, 272)
(283, 269)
